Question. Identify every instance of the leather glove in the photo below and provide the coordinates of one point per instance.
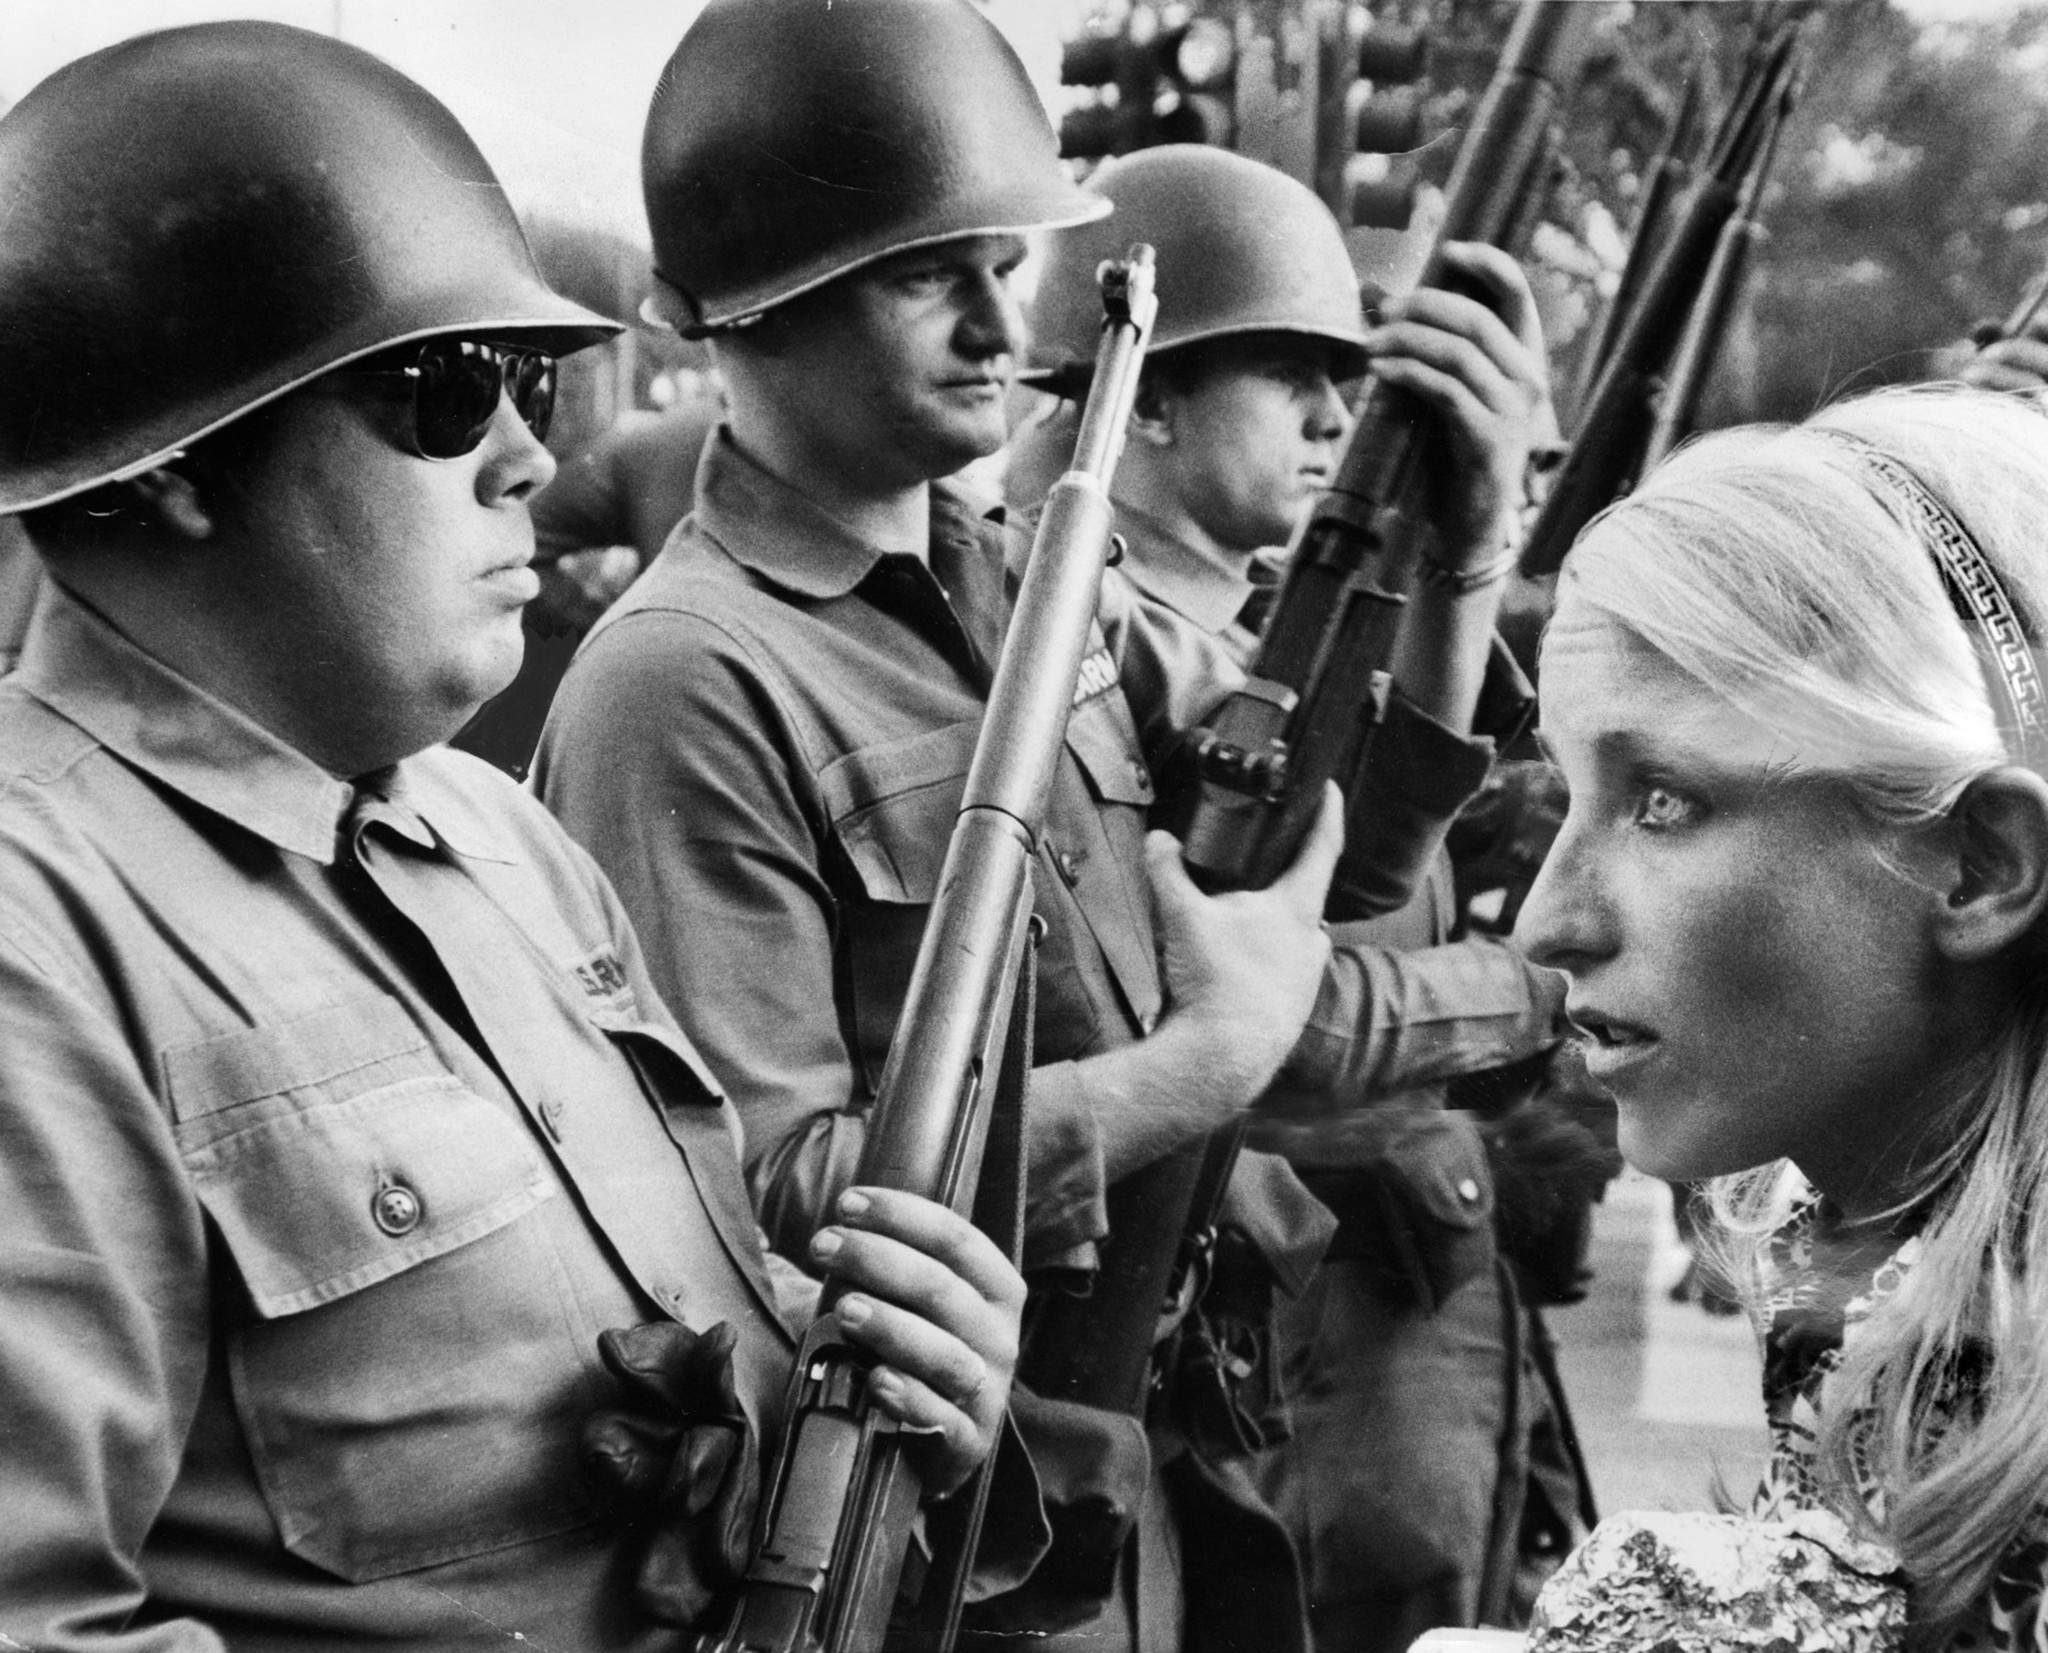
(681, 1456)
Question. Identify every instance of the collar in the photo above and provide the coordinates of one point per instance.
(1190, 579)
(771, 528)
(200, 747)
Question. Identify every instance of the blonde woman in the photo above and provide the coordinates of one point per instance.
(1793, 686)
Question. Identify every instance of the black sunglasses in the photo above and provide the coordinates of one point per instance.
(454, 386)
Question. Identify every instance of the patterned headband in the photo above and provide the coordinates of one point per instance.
(1980, 601)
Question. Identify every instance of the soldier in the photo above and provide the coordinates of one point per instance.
(339, 1115)
(765, 742)
(1400, 1363)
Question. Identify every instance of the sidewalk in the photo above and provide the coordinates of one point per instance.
(1665, 1395)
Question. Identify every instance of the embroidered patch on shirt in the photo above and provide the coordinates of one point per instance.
(1098, 676)
(601, 976)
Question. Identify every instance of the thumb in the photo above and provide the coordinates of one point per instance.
(1173, 891)
(1306, 883)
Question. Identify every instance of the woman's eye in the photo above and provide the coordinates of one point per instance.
(1659, 808)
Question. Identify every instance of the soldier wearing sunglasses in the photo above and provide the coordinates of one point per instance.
(766, 741)
(375, 1263)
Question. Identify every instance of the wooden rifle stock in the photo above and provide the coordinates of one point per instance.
(842, 1493)
(1607, 450)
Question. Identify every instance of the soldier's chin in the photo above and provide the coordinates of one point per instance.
(489, 675)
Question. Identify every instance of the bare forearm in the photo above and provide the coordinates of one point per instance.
(1149, 1098)
(1440, 660)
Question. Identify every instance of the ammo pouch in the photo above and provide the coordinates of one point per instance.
(1414, 1207)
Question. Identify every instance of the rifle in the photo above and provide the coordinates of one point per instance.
(1306, 712)
(1686, 380)
(1317, 685)
(1667, 175)
(2021, 317)
(1607, 450)
(842, 1493)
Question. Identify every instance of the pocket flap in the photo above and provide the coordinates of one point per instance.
(1439, 1162)
(893, 808)
(325, 1200)
(1105, 740)
(355, 1045)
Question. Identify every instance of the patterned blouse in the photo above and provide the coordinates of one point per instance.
(1821, 1282)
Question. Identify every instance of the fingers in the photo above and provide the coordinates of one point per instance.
(1173, 891)
(1480, 368)
(1305, 885)
(961, 1439)
(953, 1330)
(1509, 338)
(1505, 279)
(938, 1307)
(943, 1235)
(2009, 364)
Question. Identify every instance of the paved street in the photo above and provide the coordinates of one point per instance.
(1665, 1394)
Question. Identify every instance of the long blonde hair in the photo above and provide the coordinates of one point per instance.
(1773, 568)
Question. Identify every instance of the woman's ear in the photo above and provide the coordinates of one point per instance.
(1998, 874)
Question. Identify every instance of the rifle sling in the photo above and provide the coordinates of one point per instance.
(953, 1528)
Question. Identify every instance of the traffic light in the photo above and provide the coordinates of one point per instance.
(1164, 76)
(1386, 125)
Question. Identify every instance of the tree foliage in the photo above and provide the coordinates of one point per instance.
(1909, 202)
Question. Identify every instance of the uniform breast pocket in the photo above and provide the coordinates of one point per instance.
(406, 1364)
(892, 810)
(893, 813)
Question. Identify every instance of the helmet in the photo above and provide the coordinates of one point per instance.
(200, 220)
(1242, 248)
(791, 141)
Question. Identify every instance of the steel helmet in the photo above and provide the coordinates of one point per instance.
(791, 141)
(1243, 248)
(200, 220)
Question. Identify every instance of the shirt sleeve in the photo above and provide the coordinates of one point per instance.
(103, 1342)
(1418, 774)
(1388, 1021)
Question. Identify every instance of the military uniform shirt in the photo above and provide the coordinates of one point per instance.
(335, 1124)
(765, 744)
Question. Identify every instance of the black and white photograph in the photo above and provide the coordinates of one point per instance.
(1024, 826)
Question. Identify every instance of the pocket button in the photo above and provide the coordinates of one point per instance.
(396, 1208)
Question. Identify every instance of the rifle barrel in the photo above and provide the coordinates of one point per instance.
(842, 1492)
(1607, 449)
(1700, 344)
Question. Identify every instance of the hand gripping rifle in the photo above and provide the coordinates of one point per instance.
(1306, 713)
(2019, 319)
(1607, 450)
(1318, 684)
(843, 1492)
